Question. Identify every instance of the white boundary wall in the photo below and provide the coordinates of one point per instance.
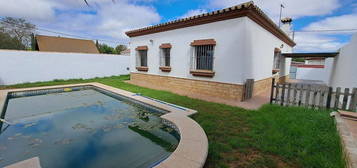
(322, 74)
(344, 72)
(32, 66)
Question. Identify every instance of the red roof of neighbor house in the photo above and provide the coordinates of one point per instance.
(308, 66)
(62, 44)
(245, 9)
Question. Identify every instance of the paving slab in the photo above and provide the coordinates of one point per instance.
(29, 163)
(347, 128)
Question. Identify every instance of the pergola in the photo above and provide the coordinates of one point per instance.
(310, 55)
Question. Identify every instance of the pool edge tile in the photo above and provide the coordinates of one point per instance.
(191, 133)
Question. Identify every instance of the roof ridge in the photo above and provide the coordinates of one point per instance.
(239, 6)
(62, 37)
(248, 9)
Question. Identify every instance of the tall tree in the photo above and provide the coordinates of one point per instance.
(120, 48)
(8, 42)
(97, 44)
(104, 48)
(18, 28)
(33, 42)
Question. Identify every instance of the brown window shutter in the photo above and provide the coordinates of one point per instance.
(203, 42)
(141, 48)
(165, 45)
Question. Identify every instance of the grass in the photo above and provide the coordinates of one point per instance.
(272, 136)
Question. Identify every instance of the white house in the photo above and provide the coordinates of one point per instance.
(212, 54)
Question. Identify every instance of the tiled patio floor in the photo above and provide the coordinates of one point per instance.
(347, 127)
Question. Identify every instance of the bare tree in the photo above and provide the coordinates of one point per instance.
(18, 28)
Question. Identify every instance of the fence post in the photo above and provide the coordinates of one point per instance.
(276, 92)
(288, 96)
(300, 95)
(295, 94)
(337, 98)
(307, 96)
(329, 95)
(345, 98)
(272, 90)
(353, 102)
(282, 95)
(322, 97)
(314, 97)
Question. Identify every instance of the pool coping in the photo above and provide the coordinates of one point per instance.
(348, 137)
(192, 149)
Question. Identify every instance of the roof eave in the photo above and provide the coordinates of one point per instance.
(247, 9)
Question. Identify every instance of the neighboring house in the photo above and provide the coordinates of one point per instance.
(334, 69)
(312, 69)
(313, 72)
(211, 55)
(125, 52)
(62, 44)
(315, 61)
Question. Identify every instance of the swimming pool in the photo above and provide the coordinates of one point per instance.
(95, 125)
(84, 127)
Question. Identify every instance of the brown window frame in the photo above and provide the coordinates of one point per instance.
(165, 57)
(203, 57)
(142, 52)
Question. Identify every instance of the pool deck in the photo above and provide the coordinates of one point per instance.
(346, 123)
(192, 149)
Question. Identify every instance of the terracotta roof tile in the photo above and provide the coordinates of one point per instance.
(61, 44)
(245, 9)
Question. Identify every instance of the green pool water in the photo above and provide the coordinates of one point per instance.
(84, 128)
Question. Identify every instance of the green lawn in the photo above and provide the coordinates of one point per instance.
(272, 136)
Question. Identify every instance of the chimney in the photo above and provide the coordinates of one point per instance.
(287, 26)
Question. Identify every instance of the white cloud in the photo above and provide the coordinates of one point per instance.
(118, 18)
(293, 8)
(335, 22)
(102, 19)
(306, 42)
(325, 41)
(312, 42)
(39, 10)
(193, 13)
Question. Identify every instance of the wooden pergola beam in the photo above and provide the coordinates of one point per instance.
(310, 55)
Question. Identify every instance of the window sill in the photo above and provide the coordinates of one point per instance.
(274, 71)
(165, 68)
(142, 68)
(204, 73)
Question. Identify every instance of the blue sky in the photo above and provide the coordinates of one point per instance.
(108, 21)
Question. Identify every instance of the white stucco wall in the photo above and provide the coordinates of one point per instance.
(261, 45)
(239, 53)
(344, 73)
(312, 74)
(31, 66)
(321, 74)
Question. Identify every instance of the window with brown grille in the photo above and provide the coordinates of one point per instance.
(165, 57)
(203, 57)
(143, 58)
